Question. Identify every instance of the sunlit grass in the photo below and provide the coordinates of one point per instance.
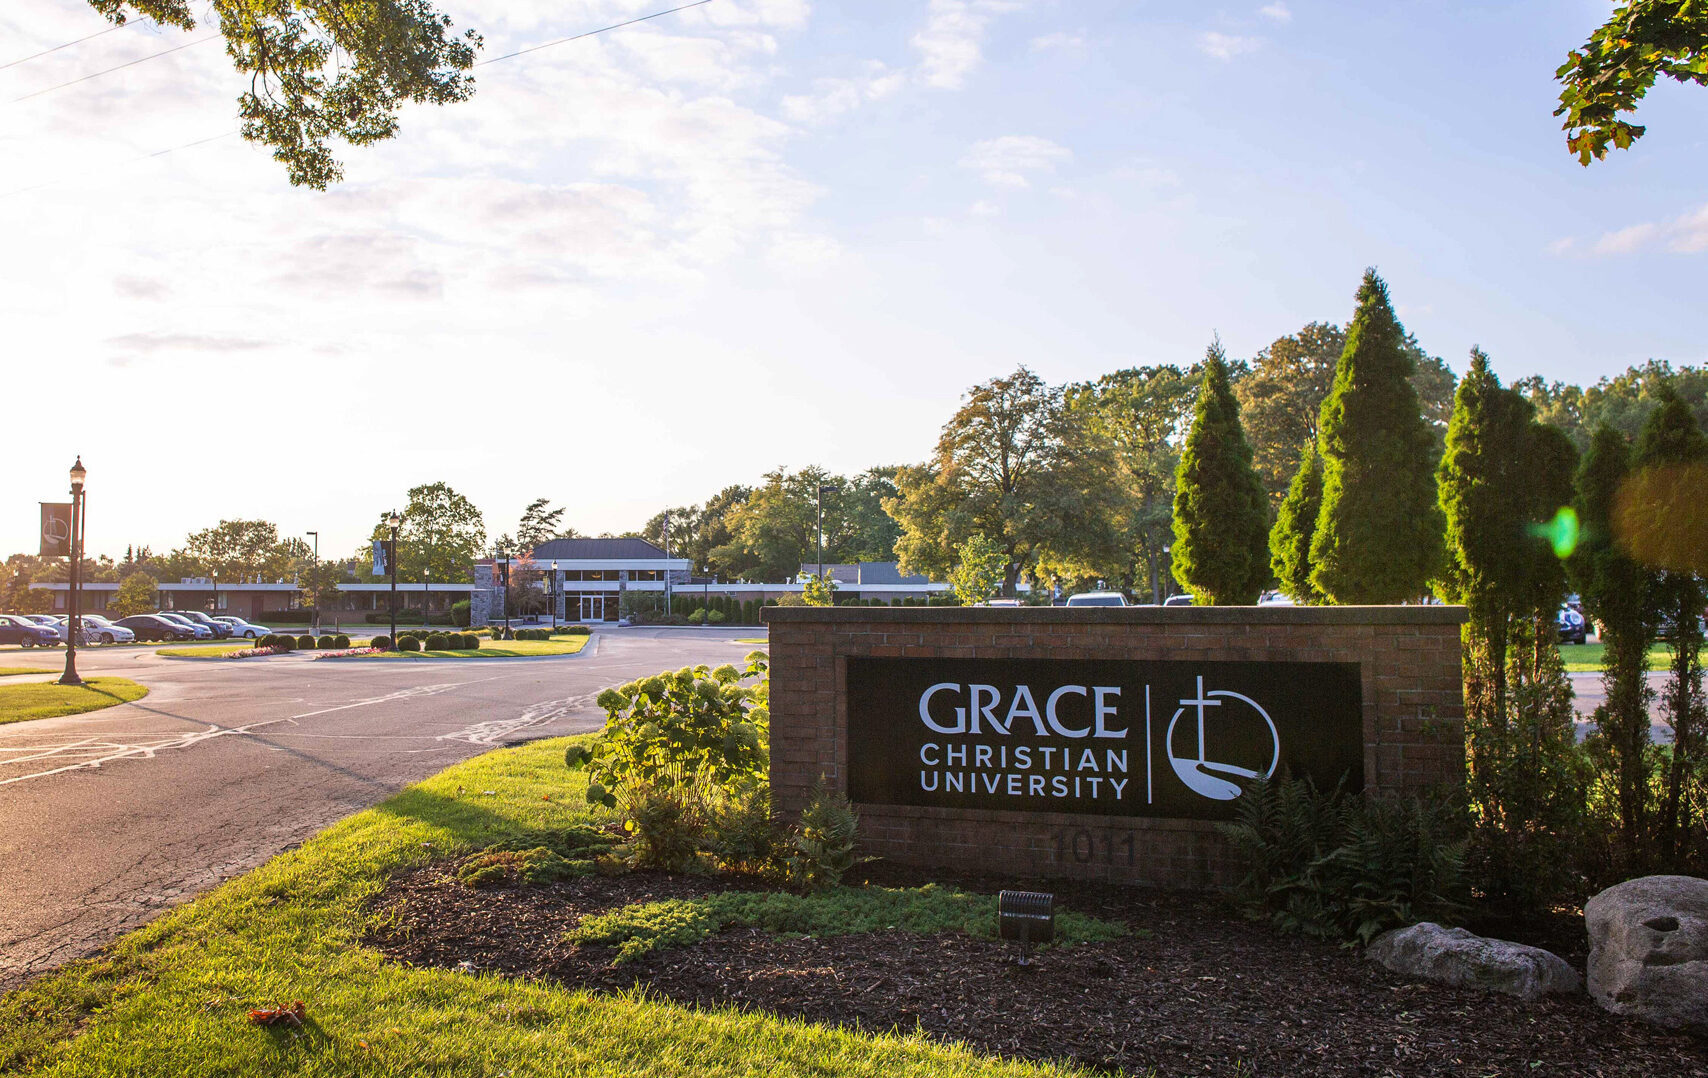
(50, 700)
(171, 998)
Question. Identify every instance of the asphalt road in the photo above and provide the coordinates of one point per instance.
(108, 818)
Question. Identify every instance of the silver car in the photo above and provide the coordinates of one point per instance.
(242, 628)
(48, 621)
(98, 630)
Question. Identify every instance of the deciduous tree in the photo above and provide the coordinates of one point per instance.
(442, 535)
(137, 594)
(1378, 536)
(978, 570)
(1221, 512)
(325, 70)
(1611, 72)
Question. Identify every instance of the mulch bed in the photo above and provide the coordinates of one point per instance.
(1204, 993)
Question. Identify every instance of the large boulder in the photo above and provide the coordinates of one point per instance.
(1455, 957)
(1648, 950)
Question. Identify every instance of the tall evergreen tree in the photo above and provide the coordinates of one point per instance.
(1615, 593)
(1670, 451)
(1501, 476)
(1295, 524)
(1378, 537)
(1221, 511)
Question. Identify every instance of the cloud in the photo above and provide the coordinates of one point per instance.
(983, 208)
(126, 286)
(1061, 39)
(1686, 235)
(950, 44)
(833, 97)
(1005, 161)
(1277, 12)
(150, 343)
(1225, 47)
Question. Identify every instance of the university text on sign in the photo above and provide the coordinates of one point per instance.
(1109, 737)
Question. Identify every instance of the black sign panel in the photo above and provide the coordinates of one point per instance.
(56, 530)
(1109, 737)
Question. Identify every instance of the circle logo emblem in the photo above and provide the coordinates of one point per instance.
(55, 530)
(1242, 716)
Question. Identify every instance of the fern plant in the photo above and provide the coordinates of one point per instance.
(822, 845)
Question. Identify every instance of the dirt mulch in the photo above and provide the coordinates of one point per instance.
(1204, 993)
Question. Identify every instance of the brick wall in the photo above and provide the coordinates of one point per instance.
(1413, 716)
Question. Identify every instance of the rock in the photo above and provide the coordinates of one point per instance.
(1648, 950)
(1453, 956)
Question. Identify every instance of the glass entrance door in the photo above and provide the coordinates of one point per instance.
(592, 608)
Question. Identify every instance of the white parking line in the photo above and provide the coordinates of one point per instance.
(143, 751)
(404, 694)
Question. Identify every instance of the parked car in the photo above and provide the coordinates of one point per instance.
(219, 628)
(1002, 602)
(155, 627)
(1097, 598)
(16, 629)
(1573, 628)
(239, 627)
(196, 630)
(99, 630)
(1275, 598)
(1178, 600)
(47, 621)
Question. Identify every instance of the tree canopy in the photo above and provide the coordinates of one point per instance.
(1608, 75)
(329, 69)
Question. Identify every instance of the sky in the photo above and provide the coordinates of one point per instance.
(641, 266)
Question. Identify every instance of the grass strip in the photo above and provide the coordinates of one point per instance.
(14, 671)
(1587, 658)
(501, 649)
(50, 700)
(171, 999)
(644, 927)
(211, 651)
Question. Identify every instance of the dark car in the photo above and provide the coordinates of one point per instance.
(1574, 629)
(220, 629)
(22, 631)
(155, 627)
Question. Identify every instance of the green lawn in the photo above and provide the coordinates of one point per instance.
(501, 649)
(171, 998)
(14, 671)
(1586, 658)
(51, 700)
(208, 651)
(753, 640)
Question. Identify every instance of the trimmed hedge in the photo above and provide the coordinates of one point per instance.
(408, 643)
(305, 642)
(340, 641)
(285, 643)
(326, 642)
(381, 641)
(438, 642)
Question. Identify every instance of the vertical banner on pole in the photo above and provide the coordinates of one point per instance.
(56, 530)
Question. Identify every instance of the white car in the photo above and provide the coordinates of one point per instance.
(1097, 598)
(1002, 602)
(48, 621)
(98, 630)
(1275, 598)
(242, 628)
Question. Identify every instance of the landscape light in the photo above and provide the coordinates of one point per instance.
(1027, 917)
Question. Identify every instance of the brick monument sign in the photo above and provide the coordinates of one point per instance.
(1102, 742)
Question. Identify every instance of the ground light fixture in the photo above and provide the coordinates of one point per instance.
(1026, 917)
(74, 624)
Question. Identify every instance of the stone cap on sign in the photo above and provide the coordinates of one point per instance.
(1125, 615)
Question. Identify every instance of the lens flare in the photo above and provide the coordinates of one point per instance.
(1561, 532)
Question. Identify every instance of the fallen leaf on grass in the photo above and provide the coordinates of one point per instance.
(280, 1016)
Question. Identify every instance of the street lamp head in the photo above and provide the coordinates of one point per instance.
(394, 521)
(830, 488)
(77, 474)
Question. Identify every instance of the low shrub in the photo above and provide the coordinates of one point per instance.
(408, 643)
(285, 644)
(438, 642)
(460, 613)
(698, 617)
(742, 832)
(341, 641)
(538, 865)
(716, 617)
(575, 630)
(1341, 866)
(663, 831)
(469, 642)
(267, 641)
(821, 848)
(382, 641)
(326, 642)
(305, 642)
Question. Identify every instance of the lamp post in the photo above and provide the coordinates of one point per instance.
(823, 489)
(667, 561)
(317, 593)
(74, 626)
(553, 591)
(504, 593)
(394, 522)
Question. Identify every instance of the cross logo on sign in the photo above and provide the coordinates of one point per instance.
(1204, 776)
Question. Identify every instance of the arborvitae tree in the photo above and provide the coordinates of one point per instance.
(1501, 476)
(1615, 589)
(1670, 451)
(1378, 537)
(1295, 524)
(1221, 512)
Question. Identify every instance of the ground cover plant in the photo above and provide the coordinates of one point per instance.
(52, 700)
(172, 998)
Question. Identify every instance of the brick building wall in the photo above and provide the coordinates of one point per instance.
(1412, 703)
